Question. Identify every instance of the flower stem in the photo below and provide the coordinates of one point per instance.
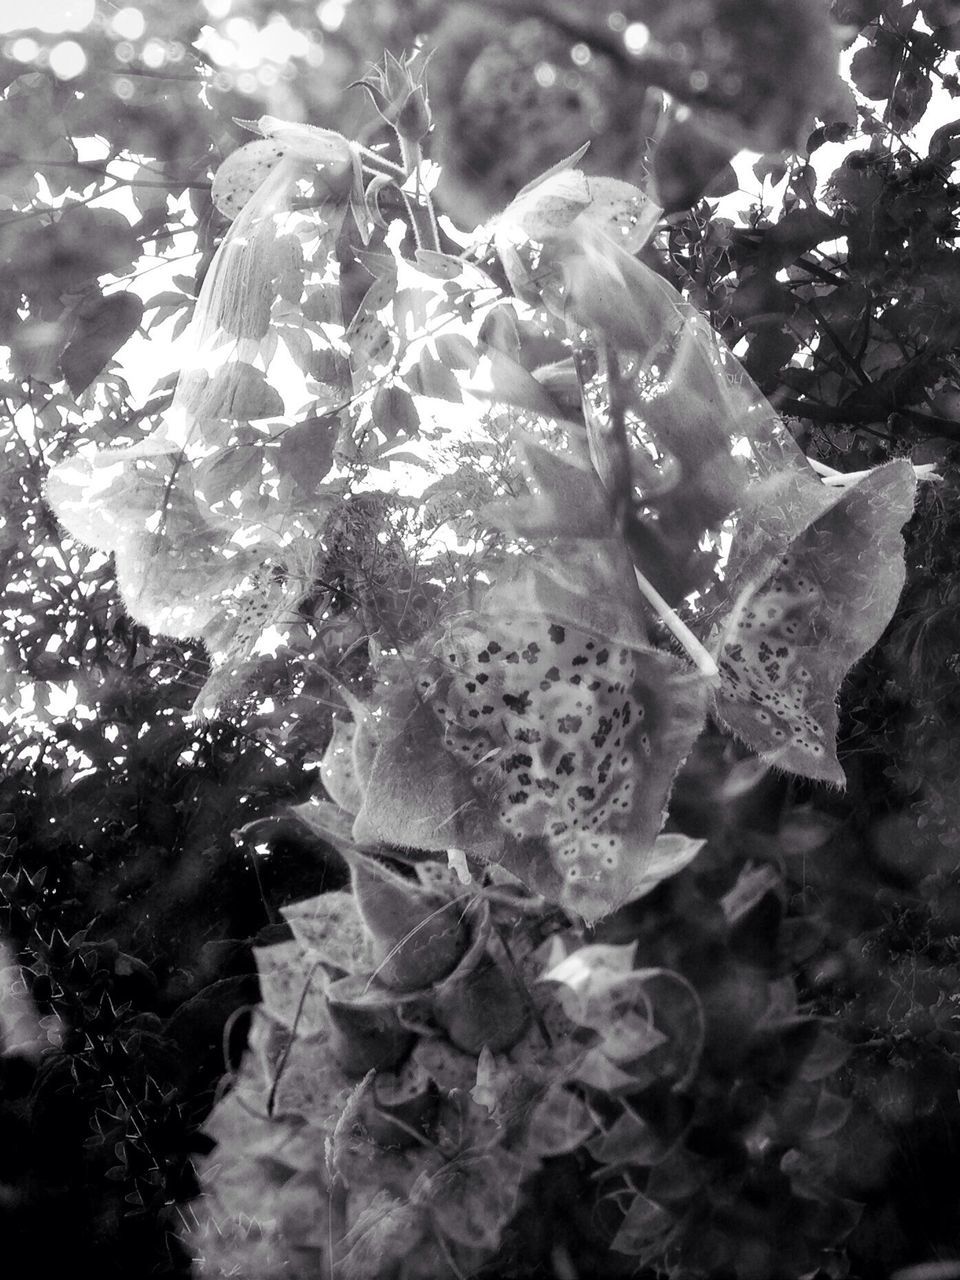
(426, 230)
(701, 659)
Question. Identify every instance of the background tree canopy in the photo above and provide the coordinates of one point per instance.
(794, 1111)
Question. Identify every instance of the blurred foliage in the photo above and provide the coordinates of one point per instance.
(131, 906)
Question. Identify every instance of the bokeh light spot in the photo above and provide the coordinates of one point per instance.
(67, 60)
(154, 54)
(24, 49)
(331, 14)
(636, 37)
(240, 30)
(129, 23)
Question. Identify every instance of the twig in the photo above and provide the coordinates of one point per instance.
(88, 166)
(49, 210)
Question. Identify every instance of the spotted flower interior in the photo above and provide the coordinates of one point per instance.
(552, 728)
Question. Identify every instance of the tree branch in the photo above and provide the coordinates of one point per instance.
(928, 423)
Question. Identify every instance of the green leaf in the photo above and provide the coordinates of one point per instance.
(146, 188)
(66, 255)
(439, 265)
(671, 852)
(772, 166)
(644, 1222)
(169, 298)
(240, 392)
(511, 384)
(373, 343)
(629, 1141)
(456, 351)
(761, 299)
(410, 311)
(235, 467)
(686, 160)
(298, 344)
(306, 451)
(912, 94)
(723, 183)
(394, 413)
(560, 1122)
(326, 821)
(101, 329)
(830, 1116)
(500, 330)
(650, 1021)
(818, 574)
(771, 350)
(874, 68)
(429, 377)
(796, 233)
(329, 928)
(288, 273)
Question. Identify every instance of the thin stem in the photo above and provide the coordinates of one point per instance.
(390, 166)
(447, 1255)
(412, 216)
(281, 1065)
(703, 661)
(49, 210)
(852, 363)
(427, 234)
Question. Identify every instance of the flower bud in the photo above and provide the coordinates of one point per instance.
(485, 1007)
(400, 96)
(418, 937)
(402, 1105)
(365, 1032)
